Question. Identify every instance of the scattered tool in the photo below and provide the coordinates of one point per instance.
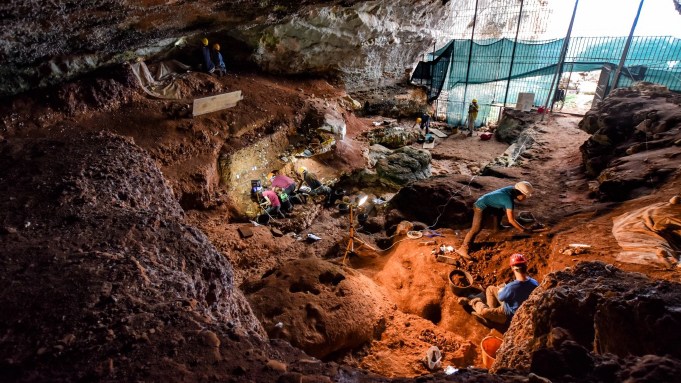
(431, 234)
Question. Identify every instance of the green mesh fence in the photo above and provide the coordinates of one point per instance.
(652, 58)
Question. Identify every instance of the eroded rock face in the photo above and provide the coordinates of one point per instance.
(635, 134)
(513, 123)
(364, 43)
(99, 267)
(594, 307)
(451, 191)
(403, 166)
(322, 307)
(392, 137)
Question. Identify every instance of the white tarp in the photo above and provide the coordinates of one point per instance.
(162, 85)
(649, 234)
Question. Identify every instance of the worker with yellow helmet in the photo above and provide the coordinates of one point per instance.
(472, 116)
(424, 122)
(205, 61)
(313, 182)
(216, 57)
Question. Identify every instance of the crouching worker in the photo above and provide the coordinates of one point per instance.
(216, 58)
(496, 204)
(502, 302)
(269, 198)
(284, 199)
(288, 187)
(311, 180)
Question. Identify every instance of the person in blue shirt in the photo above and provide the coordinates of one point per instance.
(205, 62)
(495, 203)
(503, 301)
(216, 57)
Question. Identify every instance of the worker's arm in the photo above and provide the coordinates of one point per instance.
(267, 200)
(512, 221)
(503, 293)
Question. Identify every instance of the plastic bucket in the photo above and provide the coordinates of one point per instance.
(337, 194)
(263, 219)
(460, 289)
(343, 208)
(490, 345)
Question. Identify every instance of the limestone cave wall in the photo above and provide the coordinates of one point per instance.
(363, 43)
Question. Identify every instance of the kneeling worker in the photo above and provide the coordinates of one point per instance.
(272, 200)
(496, 203)
(512, 295)
(313, 182)
(281, 181)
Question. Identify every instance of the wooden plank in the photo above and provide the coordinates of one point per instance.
(438, 133)
(215, 103)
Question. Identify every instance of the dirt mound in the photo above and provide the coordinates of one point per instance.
(634, 144)
(322, 308)
(450, 199)
(100, 271)
(600, 308)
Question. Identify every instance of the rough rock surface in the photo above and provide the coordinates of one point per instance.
(365, 43)
(403, 166)
(599, 308)
(375, 153)
(392, 137)
(635, 140)
(452, 195)
(91, 224)
(513, 123)
(322, 307)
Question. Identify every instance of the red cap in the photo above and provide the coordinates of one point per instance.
(517, 259)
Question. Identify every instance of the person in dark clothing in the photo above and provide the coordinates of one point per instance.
(216, 58)
(313, 182)
(503, 301)
(205, 62)
(496, 203)
(425, 123)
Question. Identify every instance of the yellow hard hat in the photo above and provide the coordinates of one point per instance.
(302, 169)
(475, 100)
(204, 41)
(418, 120)
(216, 47)
(270, 176)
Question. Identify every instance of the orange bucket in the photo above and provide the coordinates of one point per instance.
(489, 346)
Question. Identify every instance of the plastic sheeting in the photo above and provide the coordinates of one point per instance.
(162, 84)
(649, 235)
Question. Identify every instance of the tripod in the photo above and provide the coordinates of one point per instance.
(351, 241)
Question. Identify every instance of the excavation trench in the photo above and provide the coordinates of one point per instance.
(407, 305)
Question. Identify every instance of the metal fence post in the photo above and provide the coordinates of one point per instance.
(626, 48)
(468, 70)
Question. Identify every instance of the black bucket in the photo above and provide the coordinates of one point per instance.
(263, 219)
(343, 208)
(337, 195)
